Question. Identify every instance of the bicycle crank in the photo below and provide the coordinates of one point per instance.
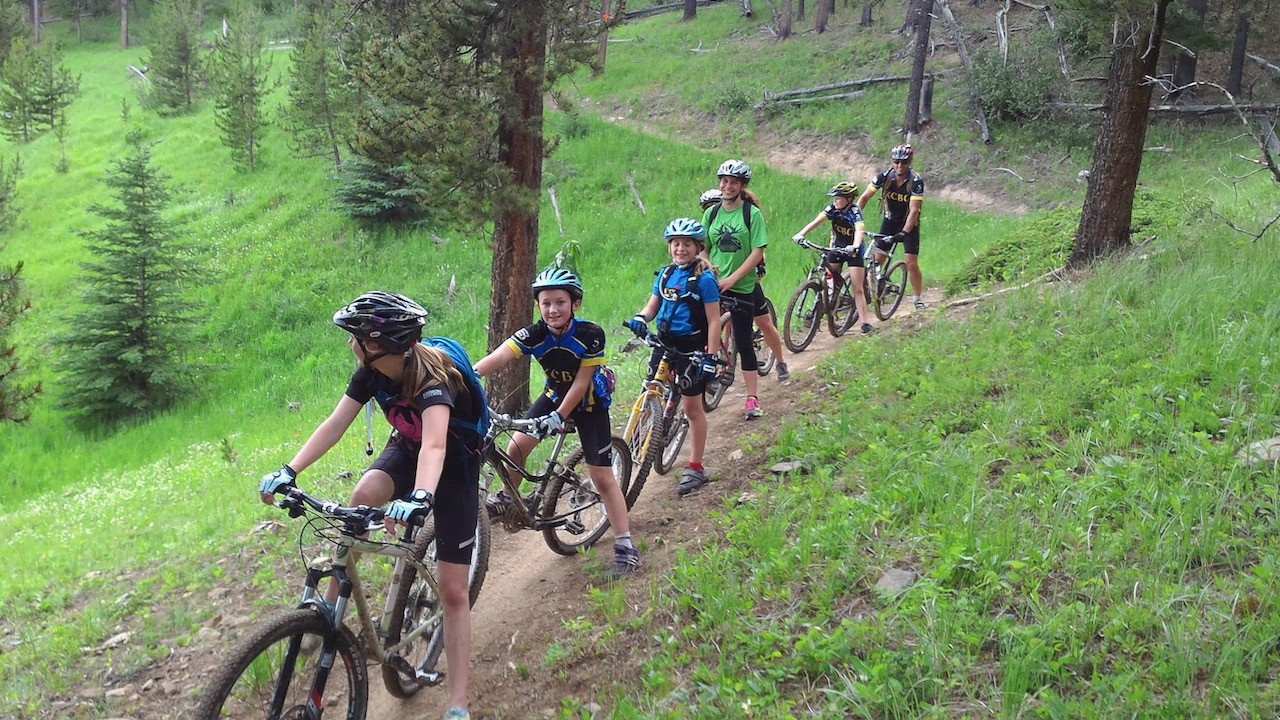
(426, 679)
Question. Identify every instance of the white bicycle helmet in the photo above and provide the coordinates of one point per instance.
(736, 169)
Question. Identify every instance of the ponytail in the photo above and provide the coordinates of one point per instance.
(753, 199)
(424, 365)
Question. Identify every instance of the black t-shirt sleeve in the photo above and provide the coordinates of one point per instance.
(362, 386)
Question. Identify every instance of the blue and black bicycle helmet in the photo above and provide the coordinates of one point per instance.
(685, 227)
(558, 278)
(392, 320)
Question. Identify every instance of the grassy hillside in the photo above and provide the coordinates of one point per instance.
(1058, 468)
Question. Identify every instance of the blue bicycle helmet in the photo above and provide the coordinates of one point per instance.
(685, 227)
(558, 278)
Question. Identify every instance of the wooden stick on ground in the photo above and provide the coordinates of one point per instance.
(555, 205)
(636, 194)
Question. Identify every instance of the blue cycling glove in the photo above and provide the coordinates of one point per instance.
(638, 325)
(272, 482)
(404, 511)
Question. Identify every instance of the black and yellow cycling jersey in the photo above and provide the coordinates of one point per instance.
(582, 345)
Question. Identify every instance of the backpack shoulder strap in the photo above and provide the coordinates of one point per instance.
(458, 356)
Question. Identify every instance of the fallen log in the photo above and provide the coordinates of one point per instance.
(835, 86)
(660, 9)
(800, 101)
(1197, 110)
(1269, 67)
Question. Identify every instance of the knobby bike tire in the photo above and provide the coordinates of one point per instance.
(673, 442)
(716, 389)
(573, 493)
(895, 286)
(804, 311)
(844, 314)
(764, 354)
(643, 436)
(651, 458)
(415, 599)
(242, 686)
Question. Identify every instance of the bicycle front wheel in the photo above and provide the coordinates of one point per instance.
(674, 441)
(764, 354)
(892, 287)
(647, 413)
(416, 603)
(804, 310)
(845, 314)
(576, 504)
(269, 676)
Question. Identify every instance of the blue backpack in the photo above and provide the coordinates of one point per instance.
(461, 361)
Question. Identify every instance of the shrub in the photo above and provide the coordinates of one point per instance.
(1011, 90)
(371, 194)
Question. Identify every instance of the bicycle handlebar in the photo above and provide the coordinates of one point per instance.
(848, 253)
(356, 520)
(654, 342)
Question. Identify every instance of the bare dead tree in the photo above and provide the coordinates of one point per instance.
(911, 123)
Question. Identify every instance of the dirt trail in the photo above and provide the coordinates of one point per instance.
(530, 592)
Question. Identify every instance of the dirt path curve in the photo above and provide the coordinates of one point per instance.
(531, 592)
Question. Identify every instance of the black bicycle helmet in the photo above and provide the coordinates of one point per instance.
(394, 321)
(558, 278)
(736, 169)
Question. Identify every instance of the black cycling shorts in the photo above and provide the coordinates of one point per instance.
(593, 430)
(851, 256)
(910, 244)
(457, 496)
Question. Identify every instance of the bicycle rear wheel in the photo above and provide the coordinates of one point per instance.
(764, 354)
(416, 603)
(267, 675)
(572, 495)
(892, 287)
(674, 442)
(845, 314)
(804, 310)
(716, 389)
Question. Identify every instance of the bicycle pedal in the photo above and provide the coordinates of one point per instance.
(575, 527)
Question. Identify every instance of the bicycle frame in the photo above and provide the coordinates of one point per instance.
(661, 388)
(344, 572)
(521, 517)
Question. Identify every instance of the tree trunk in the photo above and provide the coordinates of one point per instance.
(800, 11)
(784, 20)
(822, 15)
(515, 230)
(866, 14)
(1117, 153)
(922, 22)
(36, 13)
(124, 24)
(913, 14)
(1235, 74)
(604, 38)
(690, 10)
(1184, 65)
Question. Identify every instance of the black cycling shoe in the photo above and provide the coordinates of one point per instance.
(690, 480)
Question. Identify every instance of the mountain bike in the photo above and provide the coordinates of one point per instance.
(305, 663)
(657, 427)
(765, 360)
(823, 293)
(884, 288)
(564, 504)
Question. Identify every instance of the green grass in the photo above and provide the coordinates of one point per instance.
(1058, 468)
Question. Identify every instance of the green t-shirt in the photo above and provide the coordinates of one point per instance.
(728, 245)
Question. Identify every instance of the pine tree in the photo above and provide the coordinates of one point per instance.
(19, 80)
(128, 347)
(319, 108)
(175, 66)
(34, 89)
(14, 396)
(55, 87)
(238, 74)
